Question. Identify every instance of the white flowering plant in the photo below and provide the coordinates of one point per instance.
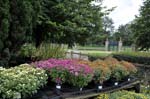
(22, 81)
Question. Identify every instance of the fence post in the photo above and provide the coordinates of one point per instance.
(71, 54)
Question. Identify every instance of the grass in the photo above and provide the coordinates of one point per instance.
(102, 48)
(135, 54)
(99, 51)
(96, 53)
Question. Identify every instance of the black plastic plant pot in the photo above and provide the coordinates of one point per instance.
(58, 89)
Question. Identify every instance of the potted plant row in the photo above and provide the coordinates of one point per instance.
(79, 73)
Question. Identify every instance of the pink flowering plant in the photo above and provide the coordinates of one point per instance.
(67, 70)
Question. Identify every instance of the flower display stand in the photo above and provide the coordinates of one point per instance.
(68, 92)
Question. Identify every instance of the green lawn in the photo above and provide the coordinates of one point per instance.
(102, 48)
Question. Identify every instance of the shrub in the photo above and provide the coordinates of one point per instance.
(27, 50)
(46, 51)
(24, 80)
(134, 57)
(79, 79)
(118, 71)
(127, 95)
(122, 95)
(129, 66)
(58, 74)
(103, 96)
(102, 71)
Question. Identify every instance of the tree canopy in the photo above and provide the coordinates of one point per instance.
(141, 27)
(69, 21)
(125, 33)
(55, 21)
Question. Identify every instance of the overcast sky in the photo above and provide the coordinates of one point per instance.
(125, 11)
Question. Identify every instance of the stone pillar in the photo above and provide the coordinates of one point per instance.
(133, 47)
(106, 44)
(120, 45)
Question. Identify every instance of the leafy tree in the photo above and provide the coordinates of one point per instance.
(4, 30)
(108, 25)
(124, 32)
(17, 19)
(68, 24)
(141, 27)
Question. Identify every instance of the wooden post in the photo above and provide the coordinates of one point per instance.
(71, 53)
(80, 55)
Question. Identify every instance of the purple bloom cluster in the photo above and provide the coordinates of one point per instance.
(71, 65)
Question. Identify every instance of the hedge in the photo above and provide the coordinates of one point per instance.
(134, 57)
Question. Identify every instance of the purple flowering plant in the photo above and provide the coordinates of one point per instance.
(67, 70)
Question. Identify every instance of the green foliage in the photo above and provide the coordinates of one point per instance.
(101, 75)
(27, 50)
(17, 20)
(79, 80)
(122, 95)
(140, 27)
(125, 33)
(4, 23)
(69, 24)
(127, 95)
(103, 96)
(58, 75)
(135, 57)
(4, 31)
(46, 51)
(23, 80)
(28, 21)
(118, 72)
(135, 54)
(145, 89)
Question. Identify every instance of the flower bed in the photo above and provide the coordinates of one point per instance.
(21, 81)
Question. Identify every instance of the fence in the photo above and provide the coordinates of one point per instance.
(76, 55)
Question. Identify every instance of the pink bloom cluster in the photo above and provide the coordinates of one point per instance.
(71, 65)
